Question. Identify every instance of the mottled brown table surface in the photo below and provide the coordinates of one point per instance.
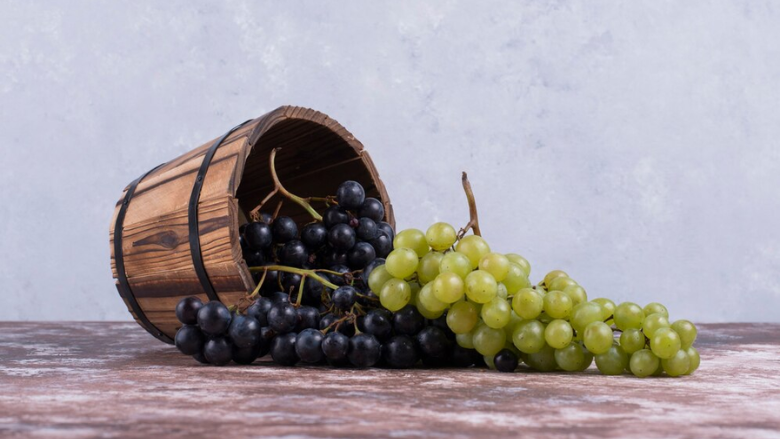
(112, 379)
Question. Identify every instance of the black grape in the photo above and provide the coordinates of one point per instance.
(383, 244)
(400, 352)
(314, 235)
(282, 317)
(372, 208)
(505, 361)
(283, 349)
(244, 331)
(344, 297)
(364, 350)
(433, 342)
(259, 310)
(342, 237)
(284, 229)
(258, 236)
(334, 215)
(378, 324)
(366, 229)
(294, 254)
(308, 345)
(350, 195)
(214, 318)
(387, 228)
(218, 351)
(408, 321)
(246, 355)
(308, 317)
(187, 310)
(361, 255)
(189, 339)
(335, 346)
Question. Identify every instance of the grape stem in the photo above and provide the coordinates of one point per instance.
(303, 272)
(473, 223)
(279, 188)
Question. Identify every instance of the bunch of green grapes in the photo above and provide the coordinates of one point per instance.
(492, 307)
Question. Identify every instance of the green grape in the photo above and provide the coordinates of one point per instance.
(628, 315)
(597, 337)
(502, 293)
(428, 268)
(584, 314)
(558, 334)
(401, 262)
(474, 247)
(521, 261)
(653, 322)
(693, 357)
(557, 305)
(527, 303)
(490, 361)
(529, 336)
(441, 236)
(428, 299)
(465, 340)
(665, 343)
(495, 264)
(612, 362)
(395, 294)
(488, 341)
(632, 340)
(425, 312)
(413, 239)
(677, 365)
(588, 358)
(560, 283)
(462, 317)
(496, 313)
(448, 287)
(481, 286)
(510, 327)
(377, 278)
(553, 275)
(576, 293)
(570, 358)
(454, 262)
(643, 363)
(655, 307)
(607, 307)
(415, 286)
(542, 360)
(516, 279)
(687, 332)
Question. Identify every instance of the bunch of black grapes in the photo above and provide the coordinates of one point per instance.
(351, 238)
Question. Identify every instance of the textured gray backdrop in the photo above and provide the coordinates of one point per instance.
(633, 144)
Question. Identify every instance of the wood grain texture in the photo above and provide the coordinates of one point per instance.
(75, 380)
(317, 154)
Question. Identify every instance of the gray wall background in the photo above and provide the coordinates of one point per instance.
(633, 144)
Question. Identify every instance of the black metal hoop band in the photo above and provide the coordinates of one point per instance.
(194, 232)
(124, 286)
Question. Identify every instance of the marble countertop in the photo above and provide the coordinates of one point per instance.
(77, 379)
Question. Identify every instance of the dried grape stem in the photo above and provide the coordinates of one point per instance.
(279, 188)
(303, 272)
(473, 223)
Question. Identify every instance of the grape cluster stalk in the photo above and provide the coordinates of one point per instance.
(345, 290)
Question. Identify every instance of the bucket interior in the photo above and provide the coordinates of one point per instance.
(313, 161)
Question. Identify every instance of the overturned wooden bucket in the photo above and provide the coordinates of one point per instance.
(175, 229)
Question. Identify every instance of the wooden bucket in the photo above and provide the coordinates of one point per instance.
(175, 229)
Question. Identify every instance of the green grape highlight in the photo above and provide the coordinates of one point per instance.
(628, 315)
(597, 337)
(413, 239)
(520, 261)
(455, 262)
(643, 363)
(558, 334)
(665, 343)
(448, 287)
(678, 364)
(462, 317)
(495, 264)
(488, 341)
(652, 323)
(395, 294)
(496, 313)
(632, 340)
(655, 307)
(529, 336)
(441, 236)
(612, 362)
(481, 286)
(527, 303)
(557, 305)
(474, 247)
(428, 268)
(687, 332)
(401, 262)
